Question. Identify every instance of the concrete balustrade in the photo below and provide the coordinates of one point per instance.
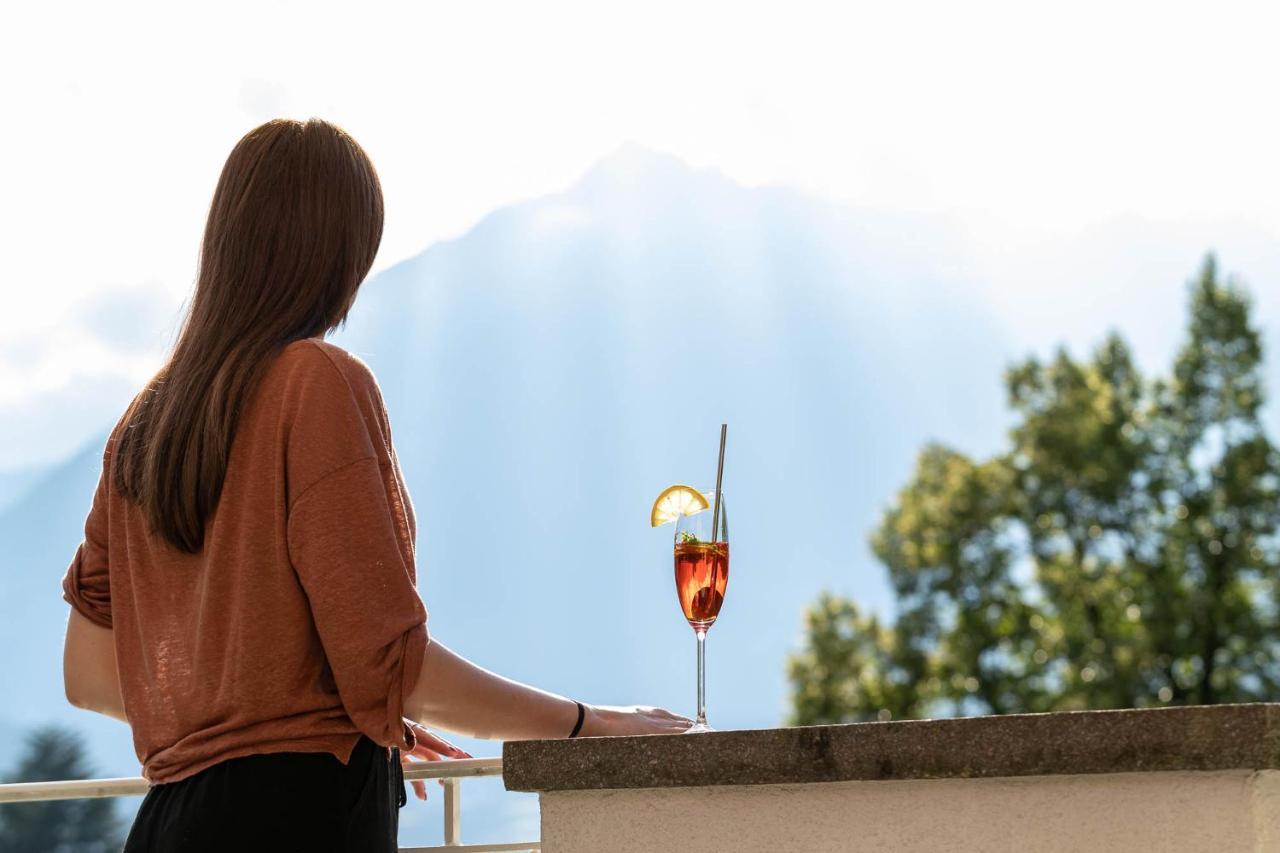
(1168, 779)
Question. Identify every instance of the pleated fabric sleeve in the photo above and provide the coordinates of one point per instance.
(86, 584)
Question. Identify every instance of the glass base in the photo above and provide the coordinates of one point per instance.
(698, 728)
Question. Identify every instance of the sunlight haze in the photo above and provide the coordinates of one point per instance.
(1024, 128)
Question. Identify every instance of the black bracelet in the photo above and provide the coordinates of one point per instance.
(582, 713)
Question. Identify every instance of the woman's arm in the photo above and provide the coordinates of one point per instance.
(89, 668)
(454, 694)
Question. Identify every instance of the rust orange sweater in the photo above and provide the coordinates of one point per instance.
(298, 626)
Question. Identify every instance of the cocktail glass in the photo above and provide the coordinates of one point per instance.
(702, 573)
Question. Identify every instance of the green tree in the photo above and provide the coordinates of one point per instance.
(1124, 551)
(63, 826)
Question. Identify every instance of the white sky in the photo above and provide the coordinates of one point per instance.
(1020, 119)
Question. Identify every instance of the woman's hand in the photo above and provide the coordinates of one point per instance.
(613, 720)
(429, 747)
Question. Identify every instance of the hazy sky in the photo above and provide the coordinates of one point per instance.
(1029, 124)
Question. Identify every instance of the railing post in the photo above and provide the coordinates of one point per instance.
(452, 813)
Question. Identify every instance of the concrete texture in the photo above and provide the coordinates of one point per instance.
(1205, 738)
(1224, 812)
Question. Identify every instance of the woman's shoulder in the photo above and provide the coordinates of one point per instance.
(327, 411)
(316, 359)
(323, 381)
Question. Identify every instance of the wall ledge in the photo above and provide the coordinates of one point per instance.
(1207, 737)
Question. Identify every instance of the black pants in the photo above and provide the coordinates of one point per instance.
(278, 801)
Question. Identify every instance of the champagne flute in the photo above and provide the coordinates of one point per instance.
(702, 573)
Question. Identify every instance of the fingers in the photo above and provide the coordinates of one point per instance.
(436, 743)
(426, 753)
(663, 712)
(673, 728)
(660, 713)
(419, 789)
(419, 785)
(665, 722)
(443, 746)
(428, 747)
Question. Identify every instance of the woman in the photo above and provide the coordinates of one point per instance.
(245, 594)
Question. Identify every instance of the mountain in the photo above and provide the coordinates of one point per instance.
(15, 482)
(551, 370)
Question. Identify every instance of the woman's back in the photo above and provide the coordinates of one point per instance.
(297, 626)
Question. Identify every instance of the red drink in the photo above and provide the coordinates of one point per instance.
(702, 572)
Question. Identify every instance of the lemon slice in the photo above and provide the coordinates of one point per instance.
(674, 502)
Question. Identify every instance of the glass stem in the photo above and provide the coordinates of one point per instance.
(702, 675)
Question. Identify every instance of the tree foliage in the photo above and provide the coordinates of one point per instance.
(1122, 552)
(53, 753)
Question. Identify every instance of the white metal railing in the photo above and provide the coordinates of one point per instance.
(451, 771)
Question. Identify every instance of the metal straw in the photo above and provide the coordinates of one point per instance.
(715, 513)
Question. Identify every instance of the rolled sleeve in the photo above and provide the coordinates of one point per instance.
(86, 585)
(360, 584)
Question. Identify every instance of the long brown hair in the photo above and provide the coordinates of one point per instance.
(293, 228)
